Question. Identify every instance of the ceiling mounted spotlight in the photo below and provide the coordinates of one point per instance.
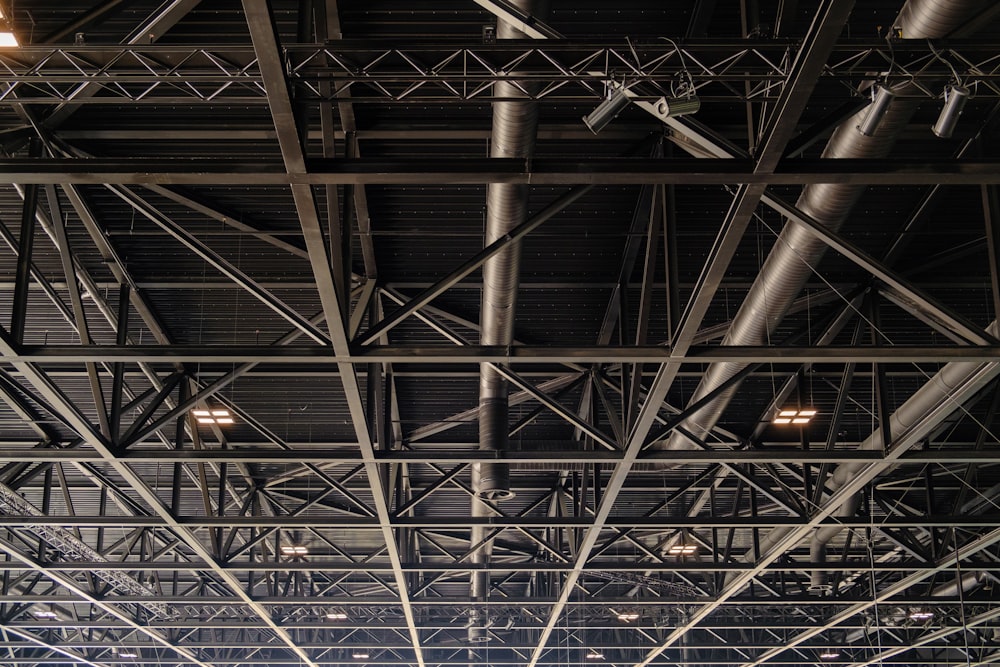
(955, 98)
(671, 107)
(882, 97)
(607, 110)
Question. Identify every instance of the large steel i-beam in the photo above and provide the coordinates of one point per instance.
(265, 42)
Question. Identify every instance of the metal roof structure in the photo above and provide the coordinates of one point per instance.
(480, 332)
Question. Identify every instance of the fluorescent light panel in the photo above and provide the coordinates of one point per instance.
(790, 416)
(213, 416)
(294, 550)
(594, 655)
(683, 549)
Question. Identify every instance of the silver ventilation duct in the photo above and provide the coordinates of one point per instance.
(954, 385)
(514, 126)
(950, 388)
(788, 266)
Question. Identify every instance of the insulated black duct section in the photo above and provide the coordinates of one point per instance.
(513, 136)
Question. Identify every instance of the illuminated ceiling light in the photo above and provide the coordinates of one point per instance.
(7, 36)
(882, 97)
(337, 616)
(594, 655)
(214, 416)
(921, 615)
(360, 655)
(127, 654)
(829, 654)
(48, 615)
(794, 416)
(294, 550)
(628, 616)
(683, 550)
(607, 110)
(955, 98)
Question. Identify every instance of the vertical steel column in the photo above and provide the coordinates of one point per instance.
(26, 241)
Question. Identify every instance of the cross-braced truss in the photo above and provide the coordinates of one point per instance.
(242, 345)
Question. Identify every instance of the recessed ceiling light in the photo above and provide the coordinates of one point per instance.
(683, 549)
(213, 416)
(790, 416)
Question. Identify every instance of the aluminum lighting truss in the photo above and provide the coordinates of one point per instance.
(558, 71)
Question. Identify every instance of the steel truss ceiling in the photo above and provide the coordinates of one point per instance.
(240, 356)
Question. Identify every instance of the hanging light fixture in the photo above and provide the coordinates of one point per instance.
(671, 107)
(882, 97)
(7, 36)
(615, 102)
(955, 97)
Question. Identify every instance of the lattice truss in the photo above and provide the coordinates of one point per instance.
(562, 72)
(226, 441)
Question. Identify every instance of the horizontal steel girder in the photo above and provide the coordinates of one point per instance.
(538, 172)
(372, 523)
(520, 354)
(345, 455)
